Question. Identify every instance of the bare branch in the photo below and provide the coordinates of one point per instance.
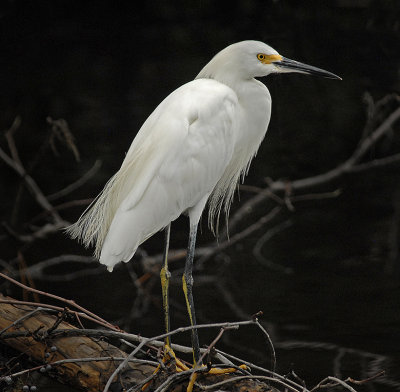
(61, 131)
(261, 242)
(67, 301)
(32, 186)
(269, 343)
(9, 134)
(78, 183)
(37, 270)
(81, 360)
(255, 377)
(26, 316)
(330, 382)
(376, 163)
(211, 250)
(321, 179)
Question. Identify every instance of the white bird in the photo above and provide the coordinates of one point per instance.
(193, 149)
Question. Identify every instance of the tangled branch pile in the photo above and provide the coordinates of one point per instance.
(108, 359)
(52, 338)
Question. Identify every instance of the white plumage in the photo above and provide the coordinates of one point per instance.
(194, 147)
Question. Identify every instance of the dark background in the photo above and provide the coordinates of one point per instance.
(104, 66)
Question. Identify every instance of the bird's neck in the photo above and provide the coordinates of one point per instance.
(253, 96)
(225, 70)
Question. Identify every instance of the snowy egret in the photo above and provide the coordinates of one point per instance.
(195, 147)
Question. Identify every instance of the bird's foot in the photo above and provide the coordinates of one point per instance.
(212, 371)
(169, 355)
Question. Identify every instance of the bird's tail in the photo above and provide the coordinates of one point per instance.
(92, 226)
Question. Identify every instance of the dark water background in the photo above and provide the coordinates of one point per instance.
(104, 66)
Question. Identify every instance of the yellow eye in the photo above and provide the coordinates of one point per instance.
(269, 58)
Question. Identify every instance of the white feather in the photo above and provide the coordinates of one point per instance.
(198, 142)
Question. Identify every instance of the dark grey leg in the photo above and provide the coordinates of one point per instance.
(187, 280)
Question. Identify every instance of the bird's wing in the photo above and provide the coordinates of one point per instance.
(175, 160)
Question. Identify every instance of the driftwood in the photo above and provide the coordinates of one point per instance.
(47, 340)
(88, 376)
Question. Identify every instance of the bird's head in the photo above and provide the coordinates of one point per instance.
(249, 59)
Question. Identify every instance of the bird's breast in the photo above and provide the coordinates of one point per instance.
(255, 114)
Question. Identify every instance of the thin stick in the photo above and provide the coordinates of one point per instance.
(213, 343)
(164, 335)
(52, 307)
(24, 317)
(81, 360)
(254, 366)
(359, 382)
(238, 378)
(270, 345)
(9, 134)
(336, 381)
(299, 185)
(67, 301)
(31, 185)
(174, 377)
(78, 183)
(215, 247)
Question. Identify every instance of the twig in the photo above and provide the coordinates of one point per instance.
(210, 251)
(49, 307)
(316, 196)
(145, 341)
(29, 303)
(212, 344)
(60, 129)
(171, 379)
(371, 139)
(67, 301)
(60, 318)
(81, 360)
(266, 191)
(24, 317)
(63, 206)
(41, 232)
(155, 341)
(261, 242)
(360, 382)
(77, 184)
(269, 342)
(376, 163)
(314, 181)
(330, 382)
(255, 377)
(32, 186)
(26, 276)
(345, 167)
(9, 134)
(37, 270)
(141, 295)
(255, 367)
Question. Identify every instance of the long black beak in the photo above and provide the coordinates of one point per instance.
(288, 65)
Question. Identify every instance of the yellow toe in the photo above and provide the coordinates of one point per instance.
(212, 371)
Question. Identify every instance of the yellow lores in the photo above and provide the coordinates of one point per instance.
(269, 58)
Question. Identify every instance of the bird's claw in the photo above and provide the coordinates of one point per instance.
(169, 355)
(212, 371)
